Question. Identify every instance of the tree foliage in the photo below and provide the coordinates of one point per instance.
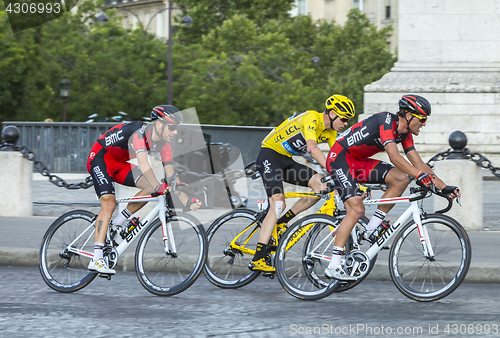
(243, 62)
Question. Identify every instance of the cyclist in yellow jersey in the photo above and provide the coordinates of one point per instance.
(297, 135)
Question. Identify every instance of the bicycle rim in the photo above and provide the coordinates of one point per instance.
(423, 279)
(227, 267)
(62, 270)
(167, 274)
(303, 254)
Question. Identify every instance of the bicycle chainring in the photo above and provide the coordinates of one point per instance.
(111, 254)
(358, 262)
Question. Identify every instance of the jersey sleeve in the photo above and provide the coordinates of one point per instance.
(311, 124)
(138, 142)
(387, 128)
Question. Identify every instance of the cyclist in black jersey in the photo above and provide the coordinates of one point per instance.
(299, 134)
(108, 164)
(349, 161)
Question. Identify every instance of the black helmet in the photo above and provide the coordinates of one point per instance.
(167, 113)
(415, 104)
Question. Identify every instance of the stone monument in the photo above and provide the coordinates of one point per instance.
(449, 52)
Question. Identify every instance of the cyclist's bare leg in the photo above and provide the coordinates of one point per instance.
(146, 190)
(305, 203)
(108, 205)
(355, 209)
(398, 182)
(271, 218)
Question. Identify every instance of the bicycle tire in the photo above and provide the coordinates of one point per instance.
(226, 267)
(61, 270)
(166, 274)
(434, 278)
(293, 270)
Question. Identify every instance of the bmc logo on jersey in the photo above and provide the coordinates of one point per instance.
(388, 119)
(357, 136)
(113, 138)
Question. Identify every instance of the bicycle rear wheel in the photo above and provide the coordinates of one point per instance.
(169, 273)
(303, 254)
(227, 266)
(61, 268)
(427, 279)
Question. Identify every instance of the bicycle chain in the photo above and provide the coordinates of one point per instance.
(477, 158)
(42, 169)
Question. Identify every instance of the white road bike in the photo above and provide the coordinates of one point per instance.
(429, 257)
(169, 257)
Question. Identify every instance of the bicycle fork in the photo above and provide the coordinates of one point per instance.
(423, 234)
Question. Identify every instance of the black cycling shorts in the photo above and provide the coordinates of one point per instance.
(106, 170)
(275, 168)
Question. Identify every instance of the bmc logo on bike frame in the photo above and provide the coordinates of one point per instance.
(387, 233)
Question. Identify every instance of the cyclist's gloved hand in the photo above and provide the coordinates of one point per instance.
(162, 188)
(193, 204)
(424, 178)
(451, 191)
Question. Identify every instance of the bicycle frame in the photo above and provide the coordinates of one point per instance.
(412, 210)
(159, 210)
(328, 208)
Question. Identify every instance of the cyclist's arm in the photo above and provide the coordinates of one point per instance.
(418, 163)
(169, 172)
(399, 161)
(316, 153)
(147, 171)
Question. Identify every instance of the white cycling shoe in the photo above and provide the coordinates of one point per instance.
(339, 274)
(101, 266)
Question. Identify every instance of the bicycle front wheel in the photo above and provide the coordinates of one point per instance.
(227, 264)
(303, 254)
(424, 278)
(167, 272)
(62, 261)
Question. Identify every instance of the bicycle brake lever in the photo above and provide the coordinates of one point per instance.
(458, 201)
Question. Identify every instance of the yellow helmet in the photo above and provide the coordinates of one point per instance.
(341, 105)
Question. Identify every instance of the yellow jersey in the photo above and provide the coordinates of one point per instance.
(290, 137)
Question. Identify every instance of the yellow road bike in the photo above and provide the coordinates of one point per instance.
(233, 238)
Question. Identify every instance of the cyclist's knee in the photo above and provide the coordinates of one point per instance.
(108, 202)
(315, 183)
(277, 203)
(356, 207)
(398, 179)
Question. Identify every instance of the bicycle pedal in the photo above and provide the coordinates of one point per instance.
(105, 275)
(268, 274)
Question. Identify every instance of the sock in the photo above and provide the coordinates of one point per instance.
(260, 252)
(336, 256)
(377, 218)
(122, 217)
(98, 251)
(286, 217)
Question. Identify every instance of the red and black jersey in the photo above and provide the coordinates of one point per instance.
(125, 140)
(371, 135)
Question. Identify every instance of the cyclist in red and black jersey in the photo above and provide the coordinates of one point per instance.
(349, 163)
(108, 163)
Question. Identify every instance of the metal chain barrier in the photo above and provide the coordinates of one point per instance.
(42, 169)
(479, 159)
(231, 176)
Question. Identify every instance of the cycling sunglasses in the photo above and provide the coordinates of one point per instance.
(422, 119)
(344, 119)
(173, 127)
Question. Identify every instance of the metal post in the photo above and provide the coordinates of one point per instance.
(65, 100)
(169, 66)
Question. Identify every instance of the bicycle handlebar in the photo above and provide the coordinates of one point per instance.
(424, 190)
